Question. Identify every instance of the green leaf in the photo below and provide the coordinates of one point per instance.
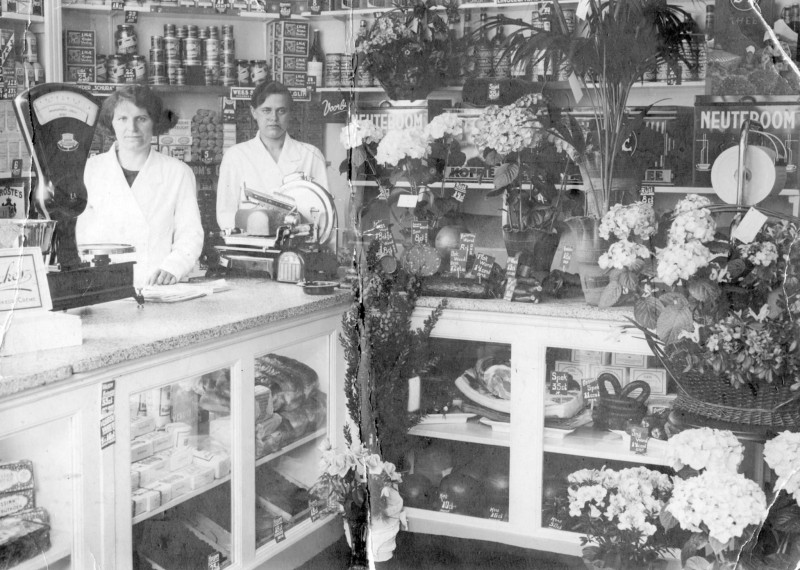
(716, 545)
(698, 563)
(675, 299)
(703, 289)
(646, 311)
(505, 174)
(672, 321)
(695, 543)
(628, 280)
(667, 520)
(610, 295)
(614, 275)
(736, 267)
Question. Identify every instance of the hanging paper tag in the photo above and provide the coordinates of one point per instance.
(497, 513)
(459, 192)
(407, 201)
(467, 243)
(559, 383)
(591, 390)
(108, 431)
(566, 257)
(555, 523)
(130, 76)
(458, 261)
(383, 193)
(511, 285)
(131, 16)
(315, 507)
(117, 6)
(648, 194)
(419, 232)
(750, 225)
(277, 529)
(494, 92)
(639, 437)
(483, 265)
(511, 266)
(213, 561)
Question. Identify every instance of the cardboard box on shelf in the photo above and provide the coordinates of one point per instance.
(80, 38)
(655, 377)
(591, 356)
(623, 359)
(144, 501)
(656, 404)
(16, 476)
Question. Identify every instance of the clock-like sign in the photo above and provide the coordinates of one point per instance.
(65, 105)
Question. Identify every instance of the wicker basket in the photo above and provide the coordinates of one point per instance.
(708, 395)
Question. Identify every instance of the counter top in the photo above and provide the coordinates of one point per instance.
(119, 331)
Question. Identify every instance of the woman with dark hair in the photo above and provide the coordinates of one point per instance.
(264, 161)
(139, 196)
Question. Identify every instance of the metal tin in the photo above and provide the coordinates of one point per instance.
(202, 33)
(158, 69)
(258, 71)
(228, 74)
(169, 30)
(191, 51)
(172, 71)
(347, 71)
(157, 55)
(138, 64)
(227, 58)
(227, 44)
(127, 42)
(213, 32)
(180, 76)
(243, 73)
(100, 71)
(191, 31)
(211, 73)
(181, 31)
(172, 47)
(333, 69)
(210, 49)
(364, 77)
(156, 42)
(116, 65)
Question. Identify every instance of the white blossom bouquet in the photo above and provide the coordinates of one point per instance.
(619, 512)
(782, 454)
(705, 448)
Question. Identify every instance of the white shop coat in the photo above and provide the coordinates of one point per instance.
(251, 163)
(158, 215)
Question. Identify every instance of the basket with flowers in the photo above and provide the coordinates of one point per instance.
(721, 313)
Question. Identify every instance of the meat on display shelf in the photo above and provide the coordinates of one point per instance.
(22, 17)
(469, 432)
(60, 548)
(588, 442)
(216, 482)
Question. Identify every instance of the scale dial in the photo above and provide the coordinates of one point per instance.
(65, 105)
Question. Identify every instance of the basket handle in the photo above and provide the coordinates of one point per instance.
(607, 377)
(637, 385)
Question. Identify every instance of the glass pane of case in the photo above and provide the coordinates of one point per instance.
(291, 387)
(180, 473)
(36, 497)
(458, 461)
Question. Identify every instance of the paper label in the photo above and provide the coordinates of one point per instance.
(648, 194)
(383, 193)
(511, 285)
(483, 265)
(639, 437)
(16, 167)
(459, 192)
(23, 280)
(575, 86)
(108, 431)
(447, 506)
(419, 232)
(566, 257)
(494, 92)
(213, 561)
(751, 224)
(316, 508)
(131, 16)
(511, 266)
(555, 523)
(458, 261)
(591, 390)
(407, 201)
(107, 394)
(385, 238)
(559, 382)
(467, 243)
(117, 6)
(277, 529)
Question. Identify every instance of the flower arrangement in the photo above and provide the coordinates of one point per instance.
(782, 454)
(619, 511)
(705, 448)
(407, 50)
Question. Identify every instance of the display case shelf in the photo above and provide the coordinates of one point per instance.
(188, 12)
(588, 442)
(22, 18)
(60, 549)
(292, 446)
(470, 432)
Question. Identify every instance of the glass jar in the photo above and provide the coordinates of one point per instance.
(127, 42)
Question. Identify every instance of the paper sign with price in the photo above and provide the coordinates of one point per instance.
(559, 382)
(566, 257)
(277, 529)
(383, 193)
(494, 91)
(385, 238)
(511, 266)
(131, 16)
(511, 285)
(639, 437)
(213, 561)
(130, 76)
(419, 232)
(459, 192)
(647, 193)
(467, 243)
(458, 261)
(407, 201)
(591, 390)
(483, 265)
(316, 508)
(555, 523)
(117, 6)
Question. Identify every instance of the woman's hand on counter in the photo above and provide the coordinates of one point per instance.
(161, 277)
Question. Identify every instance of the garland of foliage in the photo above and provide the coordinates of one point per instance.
(382, 352)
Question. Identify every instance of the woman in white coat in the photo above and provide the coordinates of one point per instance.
(139, 196)
(264, 161)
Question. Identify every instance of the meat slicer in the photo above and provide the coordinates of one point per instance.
(294, 224)
(57, 123)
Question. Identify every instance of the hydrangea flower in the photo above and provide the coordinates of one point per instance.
(444, 124)
(622, 254)
(505, 129)
(681, 260)
(358, 132)
(782, 454)
(705, 448)
(401, 143)
(759, 253)
(620, 220)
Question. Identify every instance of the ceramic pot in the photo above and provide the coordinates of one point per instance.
(537, 245)
(581, 247)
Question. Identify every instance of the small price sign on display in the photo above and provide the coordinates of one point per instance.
(648, 194)
(130, 76)
(214, 561)
(419, 232)
(555, 523)
(639, 437)
(591, 390)
(316, 509)
(221, 6)
(278, 530)
(383, 193)
(447, 506)
(511, 266)
(131, 16)
(467, 243)
(566, 257)
(483, 265)
(459, 192)
(385, 239)
(511, 286)
(458, 261)
(494, 92)
(117, 6)
(559, 382)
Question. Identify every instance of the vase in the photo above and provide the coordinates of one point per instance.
(538, 246)
(581, 248)
(382, 538)
(356, 530)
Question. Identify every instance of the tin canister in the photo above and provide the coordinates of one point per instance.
(169, 30)
(227, 72)
(191, 51)
(258, 71)
(158, 69)
(242, 73)
(227, 58)
(227, 31)
(180, 76)
(364, 77)
(127, 42)
(211, 49)
(138, 65)
(100, 71)
(157, 55)
(227, 44)
(181, 31)
(116, 65)
(202, 33)
(173, 65)
(191, 31)
(346, 71)
(333, 69)
(156, 42)
(213, 32)
(172, 47)
(211, 72)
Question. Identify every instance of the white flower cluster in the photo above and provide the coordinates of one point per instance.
(388, 31)
(721, 503)
(402, 143)
(505, 129)
(358, 132)
(681, 260)
(691, 203)
(782, 454)
(622, 254)
(633, 498)
(705, 448)
(620, 220)
(444, 124)
(759, 253)
(693, 225)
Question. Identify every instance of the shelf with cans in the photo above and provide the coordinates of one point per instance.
(234, 11)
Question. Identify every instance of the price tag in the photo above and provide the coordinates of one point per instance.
(419, 232)
(447, 506)
(566, 257)
(117, 6)
(221, 6)
(130, 76)
(511, 285)
(16, 167)
(591, 390)
(511, 266)
(407, 201)
(559, 382)
(213, 561)
(483, 265)
(107, 391)
(315, 508)
(467, 243)
(108, 431)
(131, 16)
(494, 92)
(555, 523)
(82, 77)
(458, 261)
(385, 238)
(285, 10)
(277, 529)
(315, 7)
(459, 192)
(648, 194)
(750, 225)
(497, 513)
(639, 437)
(383, 193)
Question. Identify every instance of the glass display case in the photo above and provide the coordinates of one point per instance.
(459, 460)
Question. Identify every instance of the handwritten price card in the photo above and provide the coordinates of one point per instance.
(458, 261)
(131, 16)
(555, 523)
(483, 265)
(383, 193)
(117, 6)
(566, 257)
(24, 281)
(511, 286)
(277, 529)
(591, 390)
(639, 437)
(459, 192)
(385, 238)
(648, 194)
(559, 382)
(467, 243)
(511, 266)
(419, 232)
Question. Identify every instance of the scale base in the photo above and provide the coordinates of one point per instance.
(92, 285)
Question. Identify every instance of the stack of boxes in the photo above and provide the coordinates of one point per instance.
(80, 56)
(177, 142)
(12, 148)
(288, 44)
(24, 528)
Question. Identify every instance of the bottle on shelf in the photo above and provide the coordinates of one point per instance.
(483, 52)
(709, 31)
(315, 59)
(501, 58)
(467, 48)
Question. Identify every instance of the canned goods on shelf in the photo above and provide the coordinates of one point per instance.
(157, 55)
(227, 44)
(364, 77)
(258, 71)
(169, 30)
(116, 65)
(202, 33)
(211, 73)
(180, 76)
(158, 69)
(181, 31)
(213, 32)
(127, 42)
(242, 73)
(191, 31)
(191, 51)
(210, 49)
(172, 71)
(100, 71)
(347, 71)
(227, 31)
(227, 58)
(228, 74)
(138, 65)
(172, 47)
(156, 42)
(157, 80)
